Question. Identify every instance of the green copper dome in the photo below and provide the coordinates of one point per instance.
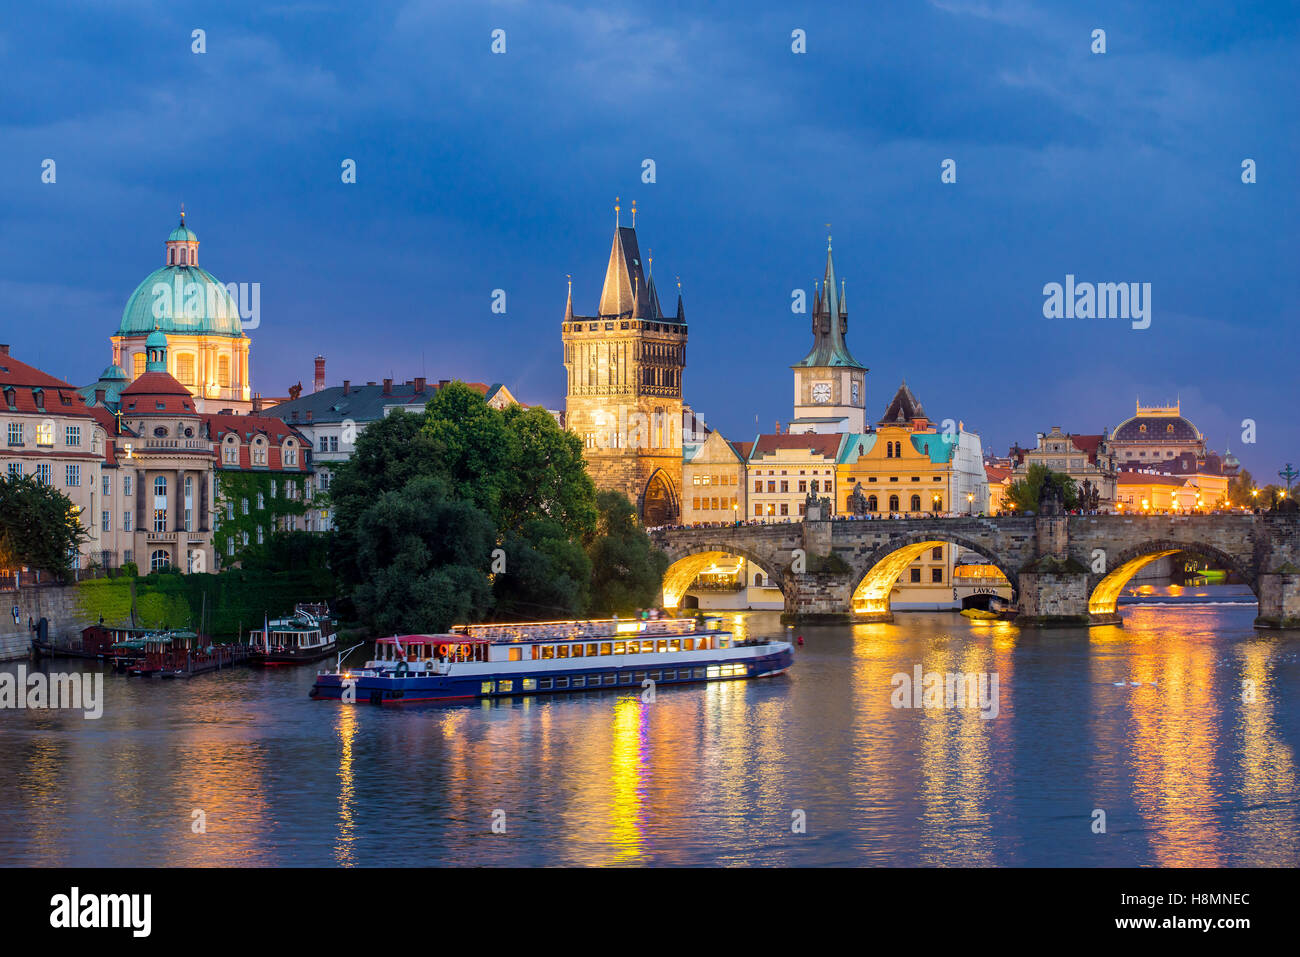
(181, 299)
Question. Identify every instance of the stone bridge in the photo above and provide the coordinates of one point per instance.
(1063, 569)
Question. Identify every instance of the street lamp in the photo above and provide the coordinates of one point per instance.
(970, 503)
(735, 513)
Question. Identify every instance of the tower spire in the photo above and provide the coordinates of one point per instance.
(616, 208)
(568, 307)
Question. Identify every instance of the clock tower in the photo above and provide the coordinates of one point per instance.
(830, 386)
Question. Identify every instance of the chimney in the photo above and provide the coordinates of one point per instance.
(99, 395)
(388, 387)
(347, 385)
(419, 385)
(309, 415)
(257, 403)
(4, 348)
(320, 374)
(442, 383)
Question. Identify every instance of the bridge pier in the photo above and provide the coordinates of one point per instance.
(1279, 598)
(1054, 592)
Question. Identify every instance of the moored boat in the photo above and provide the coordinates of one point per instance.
(303, 637)
(494, 661)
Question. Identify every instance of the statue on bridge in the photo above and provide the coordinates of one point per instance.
(1089, 496)
(1050, 499)
(816, 509)
(858, 501)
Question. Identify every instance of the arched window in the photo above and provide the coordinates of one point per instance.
(871, 504)
(159, 559)
(916, 503)
(889, 450)
(893, 503)
(184, 254)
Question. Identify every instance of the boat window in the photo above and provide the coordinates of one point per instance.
(639, 677)
(624, 677)
(577, 651)
(698, 672)
(505, 686)
(592, 650)
(647, 647)
(562, 682)
(714, 671)
(618, 647)
(688, 644)
(609, 679)
(674, 645)
(548, 652)
(661, 646)
(529, 684)
(604, 648)
(670, 675)
(536, 652)
(543, 684)
(561, 651)
(656, 676)
(516, 654)
(487, 687)
(724, 642)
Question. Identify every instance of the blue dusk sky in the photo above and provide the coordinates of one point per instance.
(479, 171)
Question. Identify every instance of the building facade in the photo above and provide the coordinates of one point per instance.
(1084, 458)
(785, 469)
(623, 396)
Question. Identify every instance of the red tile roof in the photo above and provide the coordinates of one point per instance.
(1147, 478)
(27, 382)
(997, 474)
(1088, 443)
(245, 428)
(827, 446)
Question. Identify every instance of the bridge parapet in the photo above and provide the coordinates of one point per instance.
(1063, 569)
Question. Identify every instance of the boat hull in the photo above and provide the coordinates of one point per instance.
(395, 689)
(316, 654)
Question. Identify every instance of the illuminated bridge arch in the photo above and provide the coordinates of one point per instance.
(1105, 588)
(882, 567)
(686, 567)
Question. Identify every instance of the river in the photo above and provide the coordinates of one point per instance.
(1181, 728)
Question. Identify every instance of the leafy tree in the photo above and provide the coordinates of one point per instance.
(389, 453)
(548, 479)
(1025, 492)
(628, 570)
(547, 574)
(1239, 488)
(39, 527)
(424, 558)
(475, 449)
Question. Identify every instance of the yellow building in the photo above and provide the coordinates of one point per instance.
(1149, 491)
(713, 481)
(785, 469)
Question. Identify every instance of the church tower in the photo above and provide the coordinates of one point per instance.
(830, 386)
(624, 394)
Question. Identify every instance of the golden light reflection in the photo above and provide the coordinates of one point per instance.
(344, 851)
(1105, 596)
(1267, 762)
(1173, 742)
(626, 771)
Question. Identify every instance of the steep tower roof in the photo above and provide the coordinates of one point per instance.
(830, 326)
(903, 408)
(625, 291)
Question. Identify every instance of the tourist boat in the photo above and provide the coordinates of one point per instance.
(305, 636)
(494, 661)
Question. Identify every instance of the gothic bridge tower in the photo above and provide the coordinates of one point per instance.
(624, 393)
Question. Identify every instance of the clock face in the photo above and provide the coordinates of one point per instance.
(821, 392)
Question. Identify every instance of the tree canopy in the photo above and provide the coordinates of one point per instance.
(1025, 492)
(39, 526)
(464, 512)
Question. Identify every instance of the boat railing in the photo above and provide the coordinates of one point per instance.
(603, 628)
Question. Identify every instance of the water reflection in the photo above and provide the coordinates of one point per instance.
(1147, 721)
